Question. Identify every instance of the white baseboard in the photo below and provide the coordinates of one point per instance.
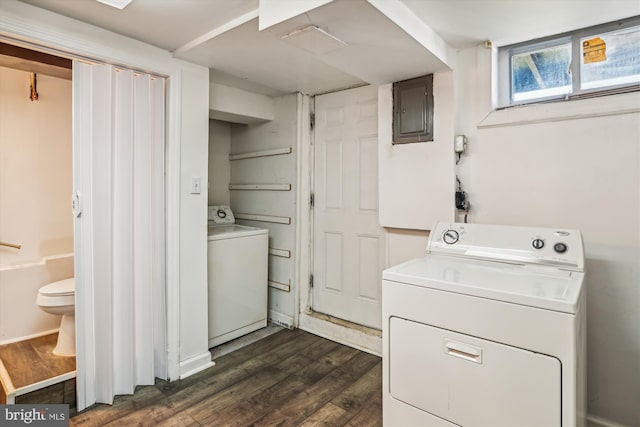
(594, 421)
(244, 341)
(195, 364)
(28, 337)
(370, 343)
(281, 319)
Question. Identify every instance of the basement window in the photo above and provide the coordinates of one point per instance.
(594, 61)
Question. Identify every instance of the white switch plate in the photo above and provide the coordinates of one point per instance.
(196, 185)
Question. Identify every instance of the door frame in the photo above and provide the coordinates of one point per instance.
(30, 34)
(352, 335)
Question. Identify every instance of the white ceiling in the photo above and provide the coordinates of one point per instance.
(464, 23)
(167, 24)
(378, 51)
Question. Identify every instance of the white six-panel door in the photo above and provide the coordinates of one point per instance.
(348, 242)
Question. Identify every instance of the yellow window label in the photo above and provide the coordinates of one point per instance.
(594, 50)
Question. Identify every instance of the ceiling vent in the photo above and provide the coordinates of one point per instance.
(314, 40)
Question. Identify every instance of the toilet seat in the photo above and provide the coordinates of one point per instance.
(60, 288)
(57, 294)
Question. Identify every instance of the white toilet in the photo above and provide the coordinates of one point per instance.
(60, 298)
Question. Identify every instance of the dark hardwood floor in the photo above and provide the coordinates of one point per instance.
(291, 378)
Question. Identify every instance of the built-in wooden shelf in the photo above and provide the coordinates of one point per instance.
(284, 253)
(279, 285)
(263, 153)
(264, 218)
(260, 187)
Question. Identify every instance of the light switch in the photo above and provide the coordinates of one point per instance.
(196, 184)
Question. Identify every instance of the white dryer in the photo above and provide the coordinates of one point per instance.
(237, 276)
(487, 330)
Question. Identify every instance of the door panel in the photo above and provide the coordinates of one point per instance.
(471, 381)
(368, 163)
(333, 243)
(368, 278)
(333, 154)
(349, 244)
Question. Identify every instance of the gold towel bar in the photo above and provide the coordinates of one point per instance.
(11, 245)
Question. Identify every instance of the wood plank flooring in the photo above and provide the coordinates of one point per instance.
(32, 361)
(25, 363)
(291, 378)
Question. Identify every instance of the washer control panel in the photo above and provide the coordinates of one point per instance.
(221, 215)
(526, 245)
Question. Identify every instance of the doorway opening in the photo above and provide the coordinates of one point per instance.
(36, 228)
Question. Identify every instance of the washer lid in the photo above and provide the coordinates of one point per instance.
(60, 288)
(232, 231)
(530, 285)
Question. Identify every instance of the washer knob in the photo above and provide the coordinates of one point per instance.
(450, 237)
(560, 248)
(537, 243)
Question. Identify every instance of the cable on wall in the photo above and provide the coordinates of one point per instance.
(462, 204)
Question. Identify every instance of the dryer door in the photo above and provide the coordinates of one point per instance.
(471, 381)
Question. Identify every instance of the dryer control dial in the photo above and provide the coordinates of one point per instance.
(450, 237)
(537, 243)
(560, 248)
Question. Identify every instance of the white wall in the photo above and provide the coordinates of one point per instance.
(187, 145)
(417, 181)
(35, 167)
(581, 173)
(219, 165)
(191, 221)
(20, 317)
(422, 170)
(404, 245)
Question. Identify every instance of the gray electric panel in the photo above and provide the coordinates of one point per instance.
(413, 110)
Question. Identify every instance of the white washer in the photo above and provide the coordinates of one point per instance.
(237, 277)
(487, 330)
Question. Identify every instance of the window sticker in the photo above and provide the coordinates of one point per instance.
(594, 50)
